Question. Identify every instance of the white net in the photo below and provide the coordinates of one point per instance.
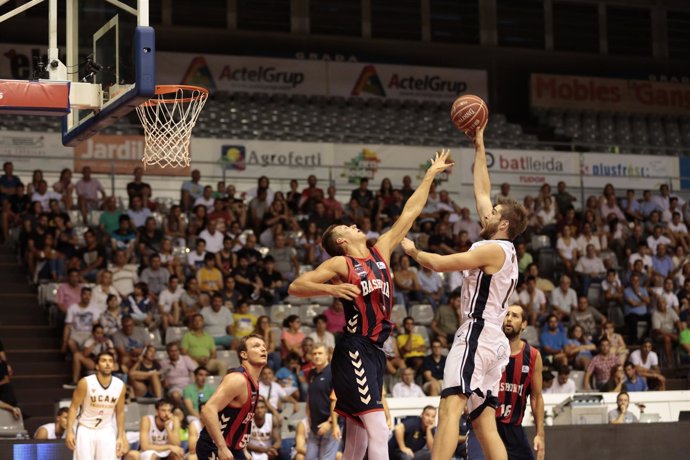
(168, 120)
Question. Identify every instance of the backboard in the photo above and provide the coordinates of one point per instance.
(109, 44)
(110, 60)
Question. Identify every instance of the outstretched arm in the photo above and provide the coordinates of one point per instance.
(392, 238)
(315, 282)
(482, 183)
(537, 403)
(489, 257)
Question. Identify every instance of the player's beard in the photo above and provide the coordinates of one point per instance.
(512, 332)
(489, 230)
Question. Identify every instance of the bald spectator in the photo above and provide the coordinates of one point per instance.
(408, 388)
(564, 298)
(666, 328)
(590, 268)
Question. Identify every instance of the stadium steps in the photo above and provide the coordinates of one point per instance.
(32, 346)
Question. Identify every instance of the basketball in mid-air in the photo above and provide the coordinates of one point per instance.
(468, 113)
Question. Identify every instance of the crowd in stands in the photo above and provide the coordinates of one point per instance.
(596, 280)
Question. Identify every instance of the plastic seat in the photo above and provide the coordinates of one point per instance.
(424, 332)
(132, 417)
(282, 311)
(174, 334)
(258, 310)
(423, 314)
(229, 357)
(398, 314)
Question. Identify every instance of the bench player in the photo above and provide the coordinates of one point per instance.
(362, 279)
(228, 415)
(480, 349)
(96, 398)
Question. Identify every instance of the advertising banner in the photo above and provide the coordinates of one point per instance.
(525, 167)
(609, 94)
(34, 150)
(355, 79)
(639, 172)
(684, 173)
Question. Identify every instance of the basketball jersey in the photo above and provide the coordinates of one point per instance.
(50, 429)
(516, 386)
(99, 403)
(261, 435)
(156, 436)
(485, 297)
(236, 421)
(369, 314)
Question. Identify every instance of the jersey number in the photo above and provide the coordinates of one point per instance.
(243, 441)
(513, 285)
(98, 422)
(506, 409)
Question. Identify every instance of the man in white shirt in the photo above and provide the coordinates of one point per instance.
(195, 258)
(669, 296)
(533, 300)
(43, 195)
(431, 285)
(645, 255)
(273, 393)
(679, 230)
(124, 274)
(563, 298)
(563, 384)
(665, 328)
(137, 212)
(213, 238)
(407, 388)
(79, 322)
(218, 321)
(590, 268)
(169, 302)
(586, 238)
(206, 199)
(646, 362)
(664, 197)
(658, 237)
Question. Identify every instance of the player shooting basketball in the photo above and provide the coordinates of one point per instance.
(361, 277)
(480, 350)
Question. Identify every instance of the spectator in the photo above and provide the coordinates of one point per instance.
(542, 283)
(124, 274)
(439, 242)
(413, 438)
(221, 215)
(218, 322)
(662, 265)
(362, 194)
(198, 392)
(138, 187)
(8, 182)
(140, 307)
(43, 195)
(321, 334)
(636, 301)
(621, 414)
(335, 315)
(563, 384)
(247, 280)
(612, 289)
(659, 236)
(292, 336)
(195, 259)
(110, 217)
(111, 318)
(244, 322)
(684, 341)
(138, 213)
(588, 318)
(665, 329)
(206, 199)
(600, 366)
(408, 388)
(275, 286)
(264, 437)
(633, 382)
(124, 238)
(618, 346)
(155, 276)
(273, 393)
(312, 190)
(411, 345)
(610, 209)
(646, 363)
(524, 258)
(209, 277)
(533, 300)
(191, 190)
(249, 251)
(88, 190)
(79, 322)
(176, 371)
(130, 342)
(92, 256)
(406, 281)
(201, 347)
(564, 200)
(432, 369)
(68, 293)
(97, 343)
(145, 375)
(553, 342)
(169, 303)
(616, 381)
(447, 319)
(547, 380)
(56, 429)
(590, 268)
(579, 347)
(263, 329)
(431, 286)
(285, 258)
(324, 436)
(567, 249)
(149, 240)
(563, 299)
(669, 296)
(231, 295)
(213, 237)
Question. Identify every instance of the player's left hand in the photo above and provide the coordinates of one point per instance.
(336, 432)
(439, 162)
(121, 446)
(324, 428)
(408, 246)
(539, 447)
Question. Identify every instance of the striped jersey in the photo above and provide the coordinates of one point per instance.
(516, 384)
(369, 314)
(235, 422)
(485, 297)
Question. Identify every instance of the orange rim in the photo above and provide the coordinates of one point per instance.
(169, 89)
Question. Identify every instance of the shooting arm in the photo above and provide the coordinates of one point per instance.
(480, 173)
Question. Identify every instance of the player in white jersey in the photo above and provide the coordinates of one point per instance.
(480, 350)
(98, 398)
(159, 435)
(55, 430)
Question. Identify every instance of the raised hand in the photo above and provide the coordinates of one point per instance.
(439, 162)
(408, 246)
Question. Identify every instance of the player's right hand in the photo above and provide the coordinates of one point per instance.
(345, 291)
(408, 246)
(225, 454)
(69, 440)
(407, 451)
(438, 163)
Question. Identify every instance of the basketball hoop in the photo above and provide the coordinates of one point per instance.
(168, 119)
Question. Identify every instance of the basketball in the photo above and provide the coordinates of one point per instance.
(468, 113)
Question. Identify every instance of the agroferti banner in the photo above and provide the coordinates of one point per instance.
(609, 94)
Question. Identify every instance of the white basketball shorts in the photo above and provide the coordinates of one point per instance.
(475, 364)
(95, 444)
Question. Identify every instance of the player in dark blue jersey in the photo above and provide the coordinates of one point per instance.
(228, 415)
(360, 275)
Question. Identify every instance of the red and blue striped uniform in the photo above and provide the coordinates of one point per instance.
(235, 422)
(369, 314)
(516, 385)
